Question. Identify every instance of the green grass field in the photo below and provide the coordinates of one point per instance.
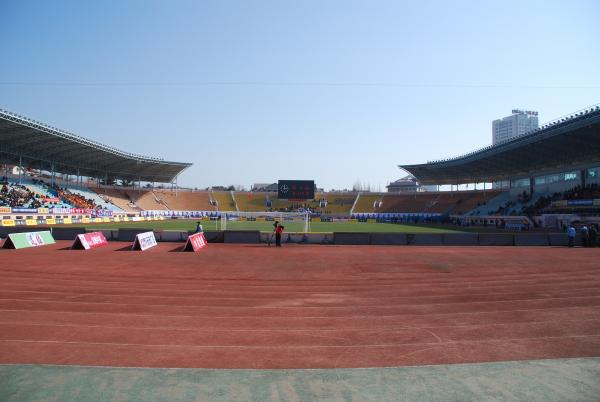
(322, 227)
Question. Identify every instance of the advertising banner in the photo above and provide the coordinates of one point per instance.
(195, 242)
(29, 239)
(4, 210)
(80, 211)
(51, 221)
(30, 222)
(8, 222)
(87, 241)
(144, 241)
(61, 210)
(24, 210)
(67, 221)
(576, 203)
(43, 211)
(85, 220)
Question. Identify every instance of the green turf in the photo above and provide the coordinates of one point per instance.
(181, 224)
(533, 380)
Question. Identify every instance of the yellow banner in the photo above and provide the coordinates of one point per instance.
(106, 219)
(371, 220)
(43, 211)
(116, 219)
(97, 220)
(4, 210)
(30, 222)
(8, 222)
(353, 220)
(162, 218)
(51, 221)
(316, 219)
(67, 221)
(85, 220)
(125, 219)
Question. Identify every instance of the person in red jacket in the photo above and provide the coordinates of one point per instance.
(278, 232)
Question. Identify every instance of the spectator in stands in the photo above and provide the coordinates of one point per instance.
(571, 234)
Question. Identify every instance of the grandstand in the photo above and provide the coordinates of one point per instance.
(554, 169)
(27, 143)
(541, 165)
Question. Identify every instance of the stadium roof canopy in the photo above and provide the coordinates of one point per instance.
(33, 144)
(568, 143)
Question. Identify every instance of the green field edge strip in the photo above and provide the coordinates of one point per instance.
(533, 380)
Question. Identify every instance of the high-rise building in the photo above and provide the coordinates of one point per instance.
(519, 122)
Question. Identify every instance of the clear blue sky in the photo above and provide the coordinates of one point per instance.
(255, 91)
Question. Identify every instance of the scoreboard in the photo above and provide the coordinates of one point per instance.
(296, 189)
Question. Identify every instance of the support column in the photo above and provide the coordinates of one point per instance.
(531, 184)
(583, 178)
(20, 167)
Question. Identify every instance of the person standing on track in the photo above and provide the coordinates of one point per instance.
(199, 228)
(278, 232)
(571, 234)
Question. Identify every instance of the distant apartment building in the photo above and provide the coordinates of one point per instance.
(518, 123)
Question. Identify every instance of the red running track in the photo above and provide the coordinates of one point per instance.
(250, 306)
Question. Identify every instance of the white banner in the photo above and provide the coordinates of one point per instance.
(144, 241)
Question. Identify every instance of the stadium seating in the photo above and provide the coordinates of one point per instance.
(492, 204)
(90, 195)
(224, 200)
(434, 202)
(251, 201)
(367, 203)
(122, 198)
(184, 200)
(337, 204)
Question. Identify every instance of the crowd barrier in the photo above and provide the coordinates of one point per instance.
(255, 237)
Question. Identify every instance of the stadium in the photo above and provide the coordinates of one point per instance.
(363, 280)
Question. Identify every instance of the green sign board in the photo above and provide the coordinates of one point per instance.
(29, 239)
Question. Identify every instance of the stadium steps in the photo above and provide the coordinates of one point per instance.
(224, 200)
(355, 202)
(237, 208)
(366, 203)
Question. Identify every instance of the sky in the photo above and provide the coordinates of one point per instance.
(341, 92)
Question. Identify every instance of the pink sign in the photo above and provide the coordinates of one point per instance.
(90, 240)
(195, 242)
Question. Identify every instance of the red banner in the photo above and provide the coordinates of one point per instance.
(195, 242)
(90, 240)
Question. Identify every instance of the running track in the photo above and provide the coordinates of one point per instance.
(251, 306)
